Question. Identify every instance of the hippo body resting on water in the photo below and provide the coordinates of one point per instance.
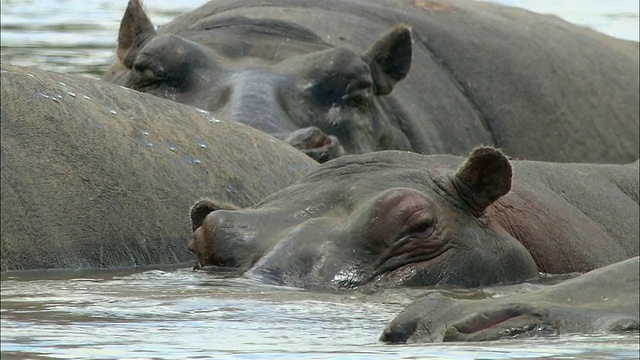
(601, 301)
(97, 176)
(399, 218)
(355, 76)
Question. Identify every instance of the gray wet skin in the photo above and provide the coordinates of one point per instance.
(99, 176)
(321, 101)
(397, 218)
(604, 300)
(338, 77)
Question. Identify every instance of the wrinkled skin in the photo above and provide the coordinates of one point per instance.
(97, 176)
(398, 218)
(601, 301)
(341, 77)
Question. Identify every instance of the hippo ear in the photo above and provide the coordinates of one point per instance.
(135, 29)
(202, 208)
(483, 178)
(390, 58)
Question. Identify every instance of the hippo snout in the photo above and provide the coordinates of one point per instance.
(315, 143)
(218, 239)
(227, 238)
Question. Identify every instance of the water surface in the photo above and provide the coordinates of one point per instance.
(180, 314)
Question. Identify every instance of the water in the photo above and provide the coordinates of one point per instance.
(182, 314)
(179, 314)
(79, 36)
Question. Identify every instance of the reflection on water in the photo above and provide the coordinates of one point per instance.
(178, 314)
(72, 36)
(181, 314)
(78, 36)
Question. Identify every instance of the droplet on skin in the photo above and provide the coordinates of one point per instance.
(86, 97)
(64, 88)
(113, 112)
(31, 75)
(196, 161)
(201, 144)
(207, 116)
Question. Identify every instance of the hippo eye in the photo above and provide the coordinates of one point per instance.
(148, 69)
(422, 229)
(357, 89)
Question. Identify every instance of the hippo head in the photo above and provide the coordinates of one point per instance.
(273, 75)
(373, 220)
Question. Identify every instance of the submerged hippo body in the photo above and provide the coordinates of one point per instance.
(604, 300)
(94, 175)
(399, 218)
(353, 76)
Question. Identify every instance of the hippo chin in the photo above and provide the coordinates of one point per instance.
(398, 218)
(338, 77)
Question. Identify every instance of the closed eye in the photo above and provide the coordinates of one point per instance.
(423, 229)
(357, 89)
(149, 69)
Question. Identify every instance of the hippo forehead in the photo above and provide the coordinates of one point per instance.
(239, 36)
(349, 180)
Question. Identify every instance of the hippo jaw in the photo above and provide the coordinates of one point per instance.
(508, 321)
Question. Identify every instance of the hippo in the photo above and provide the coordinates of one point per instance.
(99, 176)
(339, 77)
(604, 300)
(395, 218)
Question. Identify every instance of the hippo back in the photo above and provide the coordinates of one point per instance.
(579, 217)
(94, 175)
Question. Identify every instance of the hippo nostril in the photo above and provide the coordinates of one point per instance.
(323, 141)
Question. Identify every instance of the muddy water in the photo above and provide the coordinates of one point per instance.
(180, 314)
